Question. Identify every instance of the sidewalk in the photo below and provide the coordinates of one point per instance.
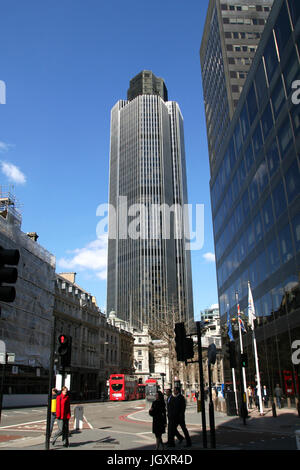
(286, 422)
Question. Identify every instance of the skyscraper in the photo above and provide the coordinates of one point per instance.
(231, 34)
(255, 181)
(149, 270)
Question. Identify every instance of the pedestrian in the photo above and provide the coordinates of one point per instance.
(265, 396)
(63, 414)
(180, 415)
(158, 412)
(250, 396)
(53, 409)
(172, 425)
(278, 395)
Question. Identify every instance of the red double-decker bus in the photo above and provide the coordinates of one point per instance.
(123, 387)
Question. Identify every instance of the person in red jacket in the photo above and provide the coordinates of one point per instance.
(63, 414)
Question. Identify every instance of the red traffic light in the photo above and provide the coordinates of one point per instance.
(62, 339)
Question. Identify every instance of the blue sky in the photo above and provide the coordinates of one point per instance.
(65, 64)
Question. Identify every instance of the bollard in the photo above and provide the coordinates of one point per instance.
(78, 417)
(274, 410)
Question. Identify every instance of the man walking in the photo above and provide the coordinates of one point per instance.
(278, 395)
(180, 415)
(172, 419)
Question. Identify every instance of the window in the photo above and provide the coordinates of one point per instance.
(257, 140)
(292, 180)
(273, 256)
(253, 191)
(262, 176)
(278, 97)
(272, 157)
(285, 243)
(267, 121)
(279, 199)
(238, 137)
(291, 70)
(258, 230)
(282, 29)
(244, 122)
(249, 159)
(270, 56)
(285, 138)
(267, 212)
(260, 82)
(252, 105)
(295, 11)
(296, 230)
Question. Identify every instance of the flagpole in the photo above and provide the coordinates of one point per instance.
(261, 411)
(241, 348)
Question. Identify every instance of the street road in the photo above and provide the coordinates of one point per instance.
(119, 425)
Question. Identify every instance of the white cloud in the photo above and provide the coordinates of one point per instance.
(13, 173)
(92, 257)
(4, 147)
(209, 257)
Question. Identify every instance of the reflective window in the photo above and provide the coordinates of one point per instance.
(285, 243)
(257, 140)
(282, 29)
(271, 59)
(291, 70)
(262, 266)
(242, 172)
(278, 97)
(285, 138)
(246, 204)
(238, 137)
(279, 199)
(253, 190)
(267, 212)
(294, 7)
(244, 122)
(231, 153)
(296, 231)
(252, 105)
(262, 176)
(267, 121)
(260, 82)
(292, 181)
(272, 157)
(249, 159)
(258, 230)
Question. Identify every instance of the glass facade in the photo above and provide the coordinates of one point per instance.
(255, 194)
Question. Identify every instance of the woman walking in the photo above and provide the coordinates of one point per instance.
(63, 414)
(158, 412)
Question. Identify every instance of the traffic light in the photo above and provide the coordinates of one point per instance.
(64, 350)
(8, 275)
(230, 350)
(180, 337)
(244, 360)
(184, 346)
(189, 348)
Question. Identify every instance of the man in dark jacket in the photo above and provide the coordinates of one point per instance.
(172, 419)
(180, 406)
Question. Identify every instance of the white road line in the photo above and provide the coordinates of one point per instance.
(21, 424)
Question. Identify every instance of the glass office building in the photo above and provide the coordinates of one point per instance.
(149, 275)
(255, 196)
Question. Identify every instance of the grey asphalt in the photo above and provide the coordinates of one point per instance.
(285, 424)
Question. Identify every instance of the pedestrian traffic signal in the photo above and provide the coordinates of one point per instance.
(230, 353)
(180, 337)
(64, 350)
(244, 360)
(8, 275)
(189, 348)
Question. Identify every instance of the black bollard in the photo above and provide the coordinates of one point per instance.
(274, 410)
